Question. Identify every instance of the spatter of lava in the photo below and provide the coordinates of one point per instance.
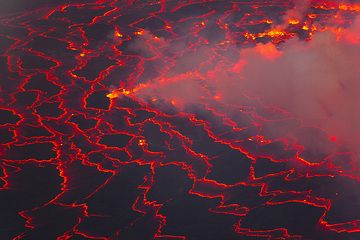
(79, 162)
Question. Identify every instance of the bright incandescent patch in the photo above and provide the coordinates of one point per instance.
(123, 120)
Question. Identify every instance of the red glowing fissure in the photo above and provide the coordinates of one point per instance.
(84, 157)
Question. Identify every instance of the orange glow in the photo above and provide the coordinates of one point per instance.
(82, 54)
(121, 91)
(272, 33)
(306, 28)
(117, 93)
(293, 21)
(347, 7)
(112, 95)
(126, 92)
(118, 34)
(250, 35)
(141, 32)
(142, 142)
(275, 33)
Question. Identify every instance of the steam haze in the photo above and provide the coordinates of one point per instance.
(316, 81)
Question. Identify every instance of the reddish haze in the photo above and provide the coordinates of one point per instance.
(316, 81)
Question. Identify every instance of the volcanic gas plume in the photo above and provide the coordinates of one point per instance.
(314, 80)
(180, 120)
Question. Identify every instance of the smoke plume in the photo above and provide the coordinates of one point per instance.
(316, 81)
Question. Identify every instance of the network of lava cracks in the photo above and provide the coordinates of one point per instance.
(79, 163)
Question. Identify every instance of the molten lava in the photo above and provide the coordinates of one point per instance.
(124, 120)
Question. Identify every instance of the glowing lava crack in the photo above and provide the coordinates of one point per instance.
(124, 120)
